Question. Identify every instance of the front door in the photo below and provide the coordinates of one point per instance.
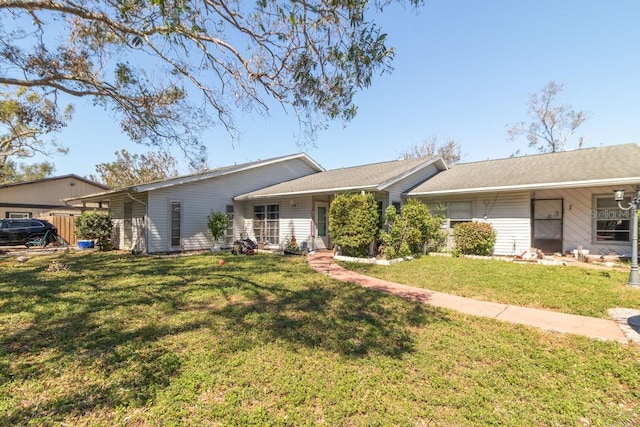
(547, 225)
(322, 226)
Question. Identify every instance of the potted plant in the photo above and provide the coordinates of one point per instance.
(217, 223)
(94, 228)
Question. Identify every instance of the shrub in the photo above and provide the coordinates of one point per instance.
(95, 226)
(474, 238)
(353, 222)
(410, 231)
(217, 223)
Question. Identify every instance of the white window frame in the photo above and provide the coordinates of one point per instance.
(171, 223)
(603, 218)
(229, 236)
(266, 229)
(19, 215)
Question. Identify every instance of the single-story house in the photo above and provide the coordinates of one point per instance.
(307, 199)
(171, 215)
(555, 202)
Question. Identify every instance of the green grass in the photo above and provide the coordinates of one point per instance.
(568, 289)
(263, 340)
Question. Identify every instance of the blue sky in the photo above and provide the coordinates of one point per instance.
(463, 69)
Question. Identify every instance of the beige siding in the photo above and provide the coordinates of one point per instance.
(44, 197)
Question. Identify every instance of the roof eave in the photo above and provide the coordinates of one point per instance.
(247, 197)
(524, 187)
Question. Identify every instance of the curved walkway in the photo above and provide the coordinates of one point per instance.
(592, 327)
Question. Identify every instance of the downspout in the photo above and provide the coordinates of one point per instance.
(146, 220)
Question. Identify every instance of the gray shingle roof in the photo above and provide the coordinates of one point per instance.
(369, 177)
(207, 174)
(595, 166)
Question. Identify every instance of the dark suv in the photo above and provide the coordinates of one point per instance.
(14, 231)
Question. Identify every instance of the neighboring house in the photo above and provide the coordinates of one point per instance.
(300, 207)
(171, 215)
(553, 202)
(44, 199)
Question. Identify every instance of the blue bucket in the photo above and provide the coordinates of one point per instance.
(85, 244)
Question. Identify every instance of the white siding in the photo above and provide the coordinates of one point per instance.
(201, 198)
(508, 213)
(138, 219)
(395, 191)
(296, 215)
(577, 221)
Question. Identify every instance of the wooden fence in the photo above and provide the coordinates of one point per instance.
(66, 226)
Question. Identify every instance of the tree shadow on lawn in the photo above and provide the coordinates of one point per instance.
(120, 332)
(328, 315)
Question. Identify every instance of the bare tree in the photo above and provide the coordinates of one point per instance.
(552, 125)
(449, 150)
(133, 169)
(142, 58)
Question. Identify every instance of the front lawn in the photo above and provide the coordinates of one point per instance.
(569, 289)
(263, 340)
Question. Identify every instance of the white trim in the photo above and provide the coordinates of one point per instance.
(170, 225)
(413, 170)
(545, 186)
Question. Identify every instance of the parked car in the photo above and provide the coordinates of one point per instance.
(14, 231)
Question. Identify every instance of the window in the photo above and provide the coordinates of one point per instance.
(175, 232)
(127, 224)
(611, 224)
(229, 236)
(19, 215)
(398, 206)
(459, 212)
(266, 223)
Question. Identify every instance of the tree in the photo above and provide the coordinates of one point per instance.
(217, 223)
(133, 169)
(449, 151)
(310, 55)
(552, 125)
(353, 222)
(12, 172)
(25, 117)
(95, 226)
(410, 231)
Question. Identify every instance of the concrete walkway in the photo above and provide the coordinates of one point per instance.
(592, 327)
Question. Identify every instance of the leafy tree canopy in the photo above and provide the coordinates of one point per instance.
(133, 169)
(25, 117)
(140, 58)
(12, 172)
